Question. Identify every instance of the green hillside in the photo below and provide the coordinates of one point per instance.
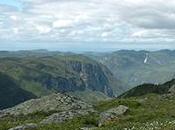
(43, 73)
(144, 89)
(10, 92)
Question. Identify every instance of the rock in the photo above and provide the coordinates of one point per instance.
(30, 126)
(55, 102)
(172, 89)
(64, 116)
(2, 114)
(88, 128)
(111, 114)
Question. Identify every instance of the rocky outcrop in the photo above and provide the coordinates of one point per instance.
(30, 126)
(65, 116)
(55, 102)
(112, 114)
(57, 108)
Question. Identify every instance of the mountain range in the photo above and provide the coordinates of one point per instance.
(101, 75)
(42, 73)
(133, 68)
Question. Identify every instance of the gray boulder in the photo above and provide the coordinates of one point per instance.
(30, 126)
(111, 114)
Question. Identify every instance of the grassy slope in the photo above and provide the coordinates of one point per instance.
(90, 96)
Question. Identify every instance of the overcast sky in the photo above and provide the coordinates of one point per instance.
(87, 24)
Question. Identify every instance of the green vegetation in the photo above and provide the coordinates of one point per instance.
(150, 88)
(90, 96)
(10, 92)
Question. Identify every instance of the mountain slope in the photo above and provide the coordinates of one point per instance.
(10, 92)
(168, 87)
(57, 72)
(137, 67)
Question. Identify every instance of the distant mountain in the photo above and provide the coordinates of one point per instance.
(58, 72)
(168, 87)
(10, 92)
(137, 67)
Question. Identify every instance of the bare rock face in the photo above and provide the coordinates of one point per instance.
(30, 126)
(55, 102)
(111, 114)
(64, 116)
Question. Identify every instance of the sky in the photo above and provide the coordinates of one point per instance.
(86, 25)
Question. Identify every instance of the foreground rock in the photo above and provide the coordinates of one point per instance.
(2, 114)
(112, 114)
(88, 128)
(65, 116)
(55, 102)
(30, 126)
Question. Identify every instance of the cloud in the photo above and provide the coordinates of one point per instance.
(90, 20)
(62, 23)
(43, 29)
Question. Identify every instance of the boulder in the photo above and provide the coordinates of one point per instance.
(30, 126)
(112, 114)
